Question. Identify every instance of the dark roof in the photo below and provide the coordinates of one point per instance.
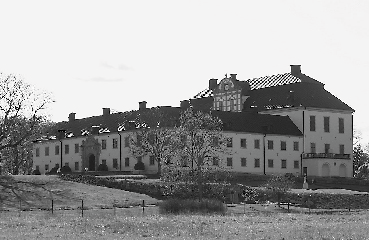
(257, 123)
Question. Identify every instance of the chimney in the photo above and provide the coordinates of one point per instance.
(295, 69)
(213, 83)
(61, 133)
(106, 111)
(233, 76)
(95, 130)
(72, 117)
(142, 105)
(185, 104)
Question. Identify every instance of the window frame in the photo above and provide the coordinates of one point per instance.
(270, 163)
(256, 143)
(257, 163)
(103, 144)
(284, 166)
(312, 123)
(341, 125)
(283, 145)
(326, 124)
(115, 143)
(229, 162)
(243, 162)
(270, 144)
(243, 143)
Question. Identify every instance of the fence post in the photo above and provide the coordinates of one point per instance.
(20, 206)
(82, 207)
(288, 205)
(143, 206)
(52, 206)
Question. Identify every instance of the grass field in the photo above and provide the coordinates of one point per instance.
(249, 222)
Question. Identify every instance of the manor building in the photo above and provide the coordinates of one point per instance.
(284, 123)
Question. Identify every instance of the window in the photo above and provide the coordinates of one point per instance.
(270, 163)
(215, 161)
(327, 147)
(76, 166)
(312, 123)
(57, 150)
(115, 163)
(37, 152)
(115, 142)
(66, 150)
(295, 146)
(326, 124)
(243, 162)
(283, 146)
(257, 143)
(229, 142)
(312, 148)
(46, 167)
(229, 162)
(296, 164)
(257, 163)
(103, 161)
(152, 160)
(342, 149)
(243, 142)
(283, 163)
(57, 165)
(66, 164)
(76, 148)
(46, 151)
(38, 167)
(341, 125)
(126, 142)
(103, 144)
(126, 162)
(270, 144)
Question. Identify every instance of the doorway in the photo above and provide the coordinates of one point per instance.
(91, 162)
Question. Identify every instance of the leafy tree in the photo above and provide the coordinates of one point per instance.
(200, 140)
(361, 162)
(153, 136)
(278, 186)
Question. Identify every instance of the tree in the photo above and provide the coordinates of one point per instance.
(200, 139)
(361, 162)
(278, 186)
(21, 118)
(153, 136)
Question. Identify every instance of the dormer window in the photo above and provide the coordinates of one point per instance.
(226, 87)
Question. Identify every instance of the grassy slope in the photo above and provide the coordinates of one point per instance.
(69, 194)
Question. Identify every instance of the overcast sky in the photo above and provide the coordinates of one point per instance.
(96, 54)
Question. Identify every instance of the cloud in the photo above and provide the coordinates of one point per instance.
(106, 65)
(105, 80)
(123, 67)
(119, 67)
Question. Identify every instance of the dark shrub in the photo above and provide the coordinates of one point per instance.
(177, 206)
(102, 168)
(36, 172)
(54, 170)
(65, 169)
(139, 166)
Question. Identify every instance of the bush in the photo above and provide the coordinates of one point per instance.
(65, 169)
(54, 170)
(36, 172)
(102, 168)
(139, 166)
(177, 206)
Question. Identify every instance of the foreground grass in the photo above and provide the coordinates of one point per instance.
(100, 224)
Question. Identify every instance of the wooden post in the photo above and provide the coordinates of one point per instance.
(20, 206)
(288, 205)
(52, 206)
(82, 208)
(143, 206)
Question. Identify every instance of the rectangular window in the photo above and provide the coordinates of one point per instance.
(257, 163)
(115, 142)
(126, 162)
(103, 144)
(243, 162)
(66, 149)
(312, 148)
(243, 142)
(295, 146)
(283, 145)
(326, 124)
(103, 161)
(215, 161)
(270, 163)
(37, 152)
(270, 144)
(257, 143)
(229, 162)
(66, 164)
(341, 125)
(76, 166)
(342, 149)
(296, 164)
(229, 142)
(152, 160)
(115, 163)
(57, 165)
(126, 142)
(139, 159)
(57, 150)
(283, 163)
(46, 151)
(327, 147)
(312, 123)
(76, 148)
(46, 167)
(38, 167)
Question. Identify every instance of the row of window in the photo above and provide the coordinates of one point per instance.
(327, 148)
(341, 125)
(57, 150)
(296, 163)
(283, 144)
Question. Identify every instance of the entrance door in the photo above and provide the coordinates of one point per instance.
(325, 170)
(91, 163)
(304, 171)
(342, 170)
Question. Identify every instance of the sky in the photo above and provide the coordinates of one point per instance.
(91, 55)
